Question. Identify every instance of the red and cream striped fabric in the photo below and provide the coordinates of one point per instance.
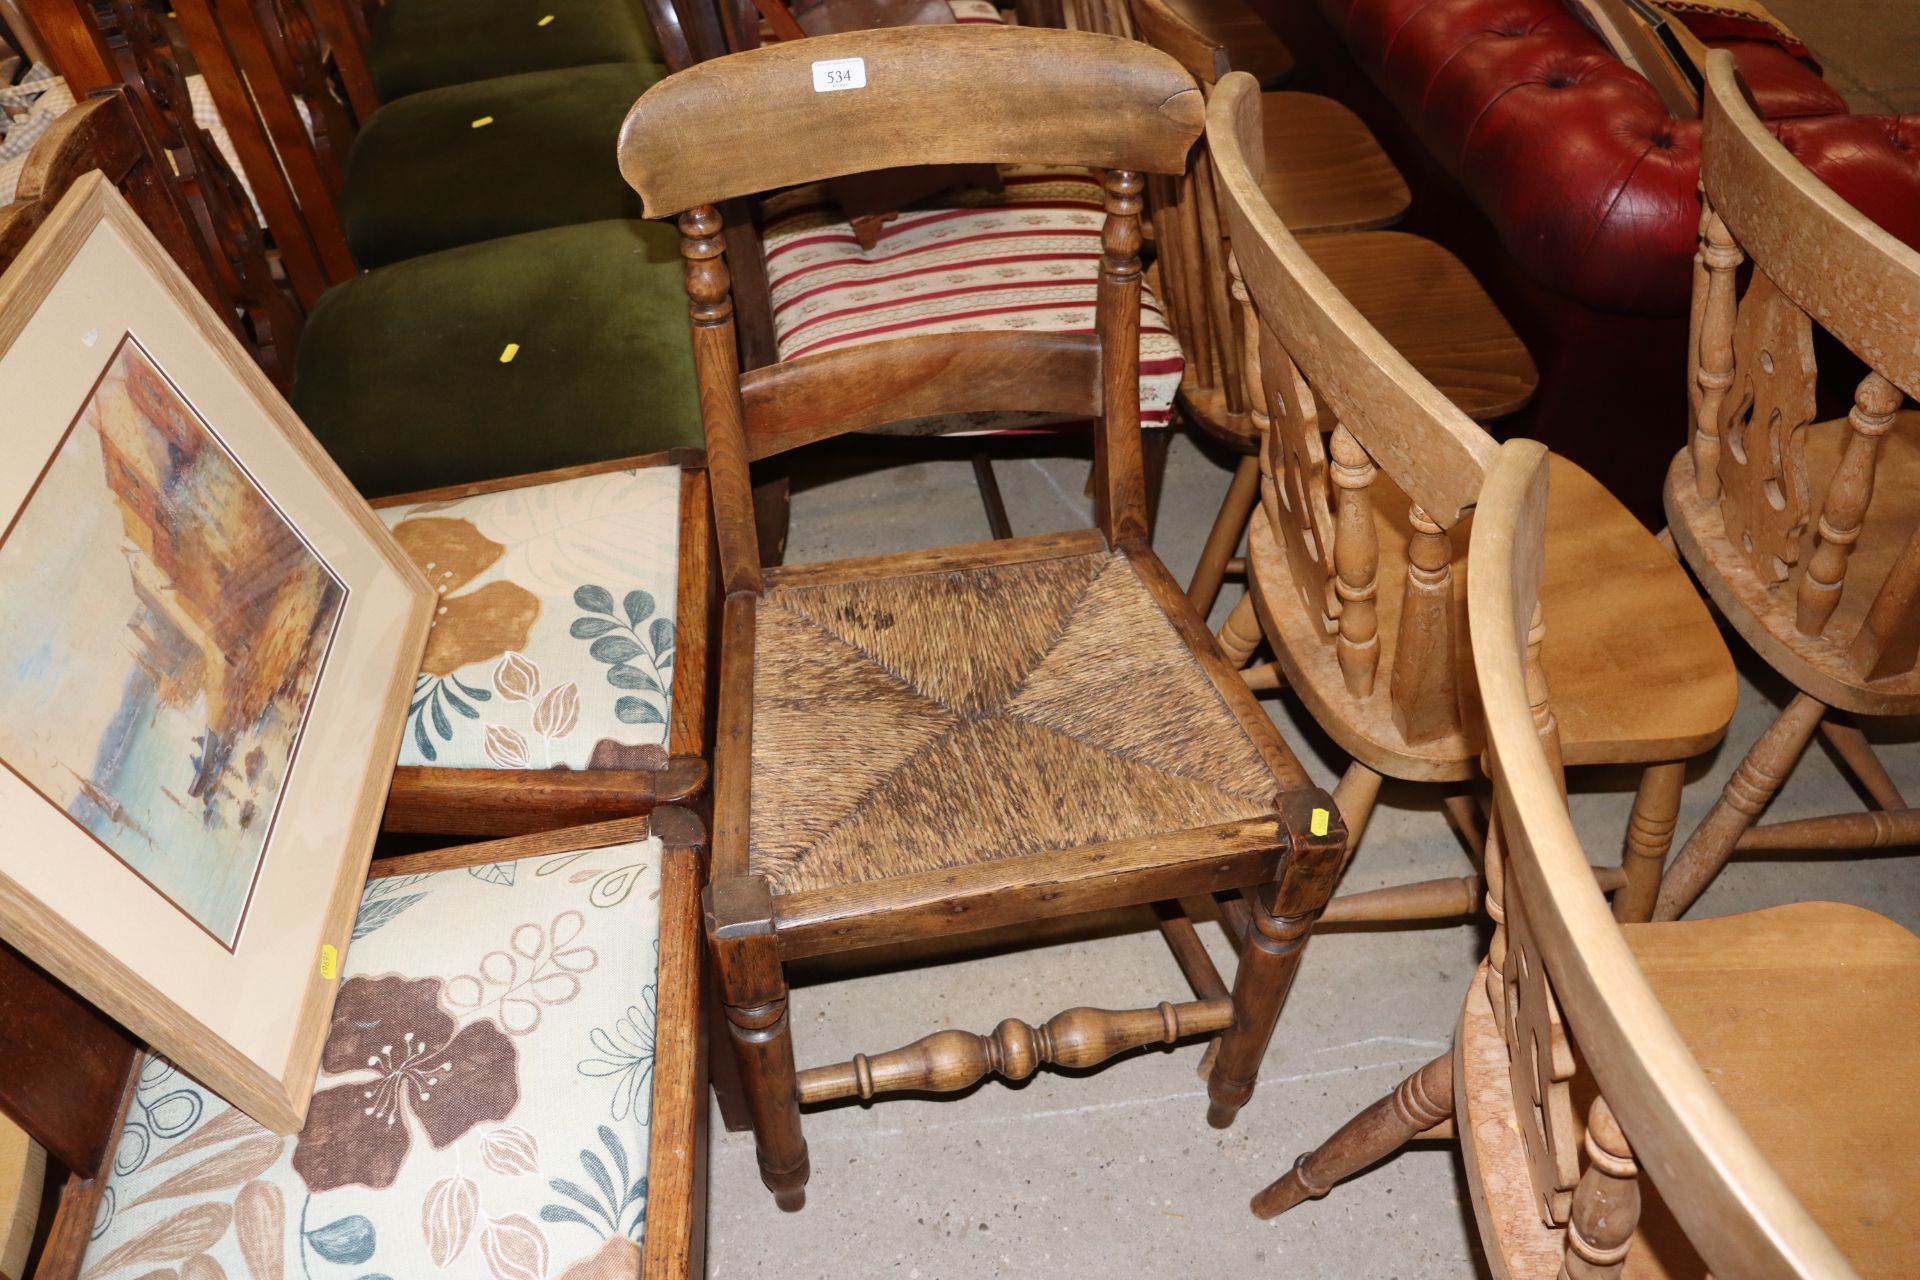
(1027, 258)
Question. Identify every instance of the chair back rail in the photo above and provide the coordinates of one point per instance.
(1732, 1205)
(934, 94)
(1313, 353)
(1815, 259)
(346, 28)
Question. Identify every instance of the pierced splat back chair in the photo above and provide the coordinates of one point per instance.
(1806, 535)
(938, 742)
(1352, 565)
(1653, 1101)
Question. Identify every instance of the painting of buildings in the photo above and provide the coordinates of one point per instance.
(163, 633)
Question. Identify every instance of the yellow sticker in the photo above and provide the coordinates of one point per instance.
(483, 122)
(508, 352)
(544, 21)
(329, 962)
(1321, 819)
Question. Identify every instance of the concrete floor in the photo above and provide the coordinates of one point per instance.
(1116, 1172)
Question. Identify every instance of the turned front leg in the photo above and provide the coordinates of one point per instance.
(753, 995)
(1283, 916)
(1656, 811)
(1420, 1102)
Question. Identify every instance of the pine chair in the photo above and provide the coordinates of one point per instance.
(1322, 172)
(1647, 1100)
(1827, 594)
(1351, 565)
(938, 742)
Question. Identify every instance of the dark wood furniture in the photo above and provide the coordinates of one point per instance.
(1806, 534)
(944, 741)
(1647, 1100)
(1353, 550)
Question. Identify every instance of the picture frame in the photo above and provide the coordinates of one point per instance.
(207, 645)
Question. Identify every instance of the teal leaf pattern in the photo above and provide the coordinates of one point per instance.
(346, 1241)
(635, 645)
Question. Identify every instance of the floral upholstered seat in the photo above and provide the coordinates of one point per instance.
(482, 1107)
(553, 641)
(1026, 258)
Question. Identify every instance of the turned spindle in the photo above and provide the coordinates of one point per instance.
(1845, 510)
(1120, 499)
(1713, 361)
(1425, 705)
(1606, 1204)
(948, 1061)
(1356, 563)
(1420, 1102)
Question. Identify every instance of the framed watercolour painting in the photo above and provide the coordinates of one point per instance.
(206, 643)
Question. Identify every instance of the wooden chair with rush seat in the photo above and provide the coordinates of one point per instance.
(1805, 534)
(1693, 1062)
(1352, 564)
(1332, 186)
(938, 742)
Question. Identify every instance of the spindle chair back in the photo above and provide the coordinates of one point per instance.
(857, 806)
(1806, 534)
(1572, 1013)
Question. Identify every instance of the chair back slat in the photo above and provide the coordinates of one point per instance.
(925, 376)
(932, 95)
(1730, 1202)
(1814, 259)
(1204, 57)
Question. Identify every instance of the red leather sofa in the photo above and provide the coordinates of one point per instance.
(1585, 188)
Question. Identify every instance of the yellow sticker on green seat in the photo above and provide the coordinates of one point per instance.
(483, 122)
(544, 21)
(508, 352)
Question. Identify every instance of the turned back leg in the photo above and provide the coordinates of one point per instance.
(1420, 1102)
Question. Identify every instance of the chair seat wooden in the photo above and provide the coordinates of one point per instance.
(1252, 46)
(1638, 669)
(1325, 169)
(1801, 1017)
(923, 712)
(1422, 300)
(1764, 614)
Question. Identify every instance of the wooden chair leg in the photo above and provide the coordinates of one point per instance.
(753, 994)
(1420, 1102)
(1656, 811)
(723, 1069)
(1355, 795)
(1753, 784)
(1857, 754)
(772, 511)
(1224, 539)
(1155, 443)
(997, 523)
(1240, 635)
(1463, 809)
(1284, 914)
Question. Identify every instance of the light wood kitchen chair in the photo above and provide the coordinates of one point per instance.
(1322, 172)
(1725, 1078)
(937, 742)
(1805, 534)
(1351, 561)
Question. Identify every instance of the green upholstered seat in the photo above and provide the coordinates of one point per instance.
(400, 372)
(421, 177)
(424, 44)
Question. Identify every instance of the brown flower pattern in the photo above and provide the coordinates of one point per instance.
(411, 1064)
(472, 626)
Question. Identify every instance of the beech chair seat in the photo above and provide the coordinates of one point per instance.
(553, 641)
(1025, 260)
(483, 1104)
(919, 713)
(1252, 46)
(543, 350)
(1325, 169)
(426, 44)
(1637, 666)
(471, 162)
(1764, 613)
(1801, 1017)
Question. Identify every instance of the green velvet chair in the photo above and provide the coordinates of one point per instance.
(416, 45)
(532, 352)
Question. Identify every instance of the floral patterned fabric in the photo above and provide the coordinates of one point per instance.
(1026, 258)
(552, 643)
(481, 1111)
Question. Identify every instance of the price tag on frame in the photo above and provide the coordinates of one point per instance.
(837, 74)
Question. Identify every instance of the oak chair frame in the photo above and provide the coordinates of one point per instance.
(1783, 570)
(1056, 95)
(72, 1072)
(1315, 542)
(1557, 952)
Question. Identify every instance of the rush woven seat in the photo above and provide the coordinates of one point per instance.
(926, 721)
